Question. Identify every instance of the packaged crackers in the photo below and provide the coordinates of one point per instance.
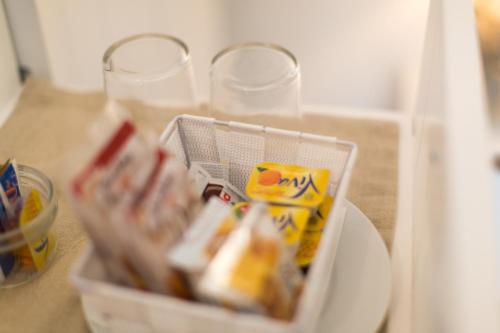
(135, 202)
(203, 240)
(252, 271)
(289, 221)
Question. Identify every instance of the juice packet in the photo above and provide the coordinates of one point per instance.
(288, 184)
(203, 240)
(40, 248)
(313, 233)
(289, 221)
(252, 271)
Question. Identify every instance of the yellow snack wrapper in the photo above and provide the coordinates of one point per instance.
(41, 247)
(253, 271)
(288, 184)
(313, 233)
(290, 221)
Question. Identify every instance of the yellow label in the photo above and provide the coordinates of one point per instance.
(290, 221)
(40, 247)
(288, 184)
(256, 264)
(313, 233)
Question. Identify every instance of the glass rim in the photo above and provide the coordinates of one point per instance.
(279, 82)
(119, 43)
(40, 219)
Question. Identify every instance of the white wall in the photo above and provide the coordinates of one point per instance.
(26, 36)
(77, 32)
(357, 53)
(9, 80)
(360, 53)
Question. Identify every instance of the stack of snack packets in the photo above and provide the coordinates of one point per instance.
(135, 201)
(291, 190)
(253, 271)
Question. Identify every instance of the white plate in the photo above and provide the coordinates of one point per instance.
(360, 287)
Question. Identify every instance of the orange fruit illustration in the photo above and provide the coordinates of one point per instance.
(269, 177)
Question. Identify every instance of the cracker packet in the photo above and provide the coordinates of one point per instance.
(119, 151)
(135, 202)
(155, 220)
(290, 221)
(253, 271)
(202, 241)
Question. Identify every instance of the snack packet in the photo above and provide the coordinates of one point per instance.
(40, 248)
(252, 271)
(289, 221)
(92, 197)
(313, 233)
(10, 181)
(7, 262)
(288, 184)
(153, 222)
(135, 202)
(202, 240)
(207, 186)
(5, 211)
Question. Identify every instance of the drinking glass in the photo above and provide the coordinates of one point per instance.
(151, 77)
(253, 79)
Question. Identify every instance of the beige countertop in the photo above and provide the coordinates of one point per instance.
(48, 123)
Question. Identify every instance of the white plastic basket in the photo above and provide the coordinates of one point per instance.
(238, 146)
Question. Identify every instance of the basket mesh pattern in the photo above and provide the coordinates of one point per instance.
(174, 145)
(281, 148)
(230, 152)
(216, 170)
(246, 151)
(198, 138)
(324, 155)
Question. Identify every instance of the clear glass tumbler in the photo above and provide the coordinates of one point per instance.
(253, 79)
(151, 76)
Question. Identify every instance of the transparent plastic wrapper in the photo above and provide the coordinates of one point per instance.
(135, 201)
(253, 271)
(290, 221)
(202, 241)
